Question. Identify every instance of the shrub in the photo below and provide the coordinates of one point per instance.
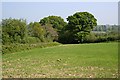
(21, 47)
(32, 40)
(90, 38)
(13, 30)
(101, 39)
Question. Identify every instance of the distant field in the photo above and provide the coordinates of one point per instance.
(99, 60)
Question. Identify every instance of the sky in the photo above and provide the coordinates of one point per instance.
(104, 12)
(60, 0)
(119, 13)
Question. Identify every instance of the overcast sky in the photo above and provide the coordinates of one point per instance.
(104, 12)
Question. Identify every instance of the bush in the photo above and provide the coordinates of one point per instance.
(21, 47)
(90, 38)
(32, 40)
(101, 39)
(13, 30)
(95, 37)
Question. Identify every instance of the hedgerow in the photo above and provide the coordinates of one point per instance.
(22, 47)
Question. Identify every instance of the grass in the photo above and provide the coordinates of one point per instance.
(99, 60)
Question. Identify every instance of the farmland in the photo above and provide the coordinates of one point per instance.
(94, 60)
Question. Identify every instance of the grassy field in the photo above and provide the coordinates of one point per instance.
(99, 60)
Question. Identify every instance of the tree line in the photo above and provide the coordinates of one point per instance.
(80, 28)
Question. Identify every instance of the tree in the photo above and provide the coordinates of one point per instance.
(13, 30)
(57, 24)
(51, 34)
(80, 24)
(36, 30)
(56, 21)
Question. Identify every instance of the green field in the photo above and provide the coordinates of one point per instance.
(98, 60)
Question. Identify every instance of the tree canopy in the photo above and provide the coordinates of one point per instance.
(80, 24)
(81, 28)
(56, 21)
(36, 30)
(13, 30)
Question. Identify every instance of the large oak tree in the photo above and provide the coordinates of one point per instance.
(80, 24)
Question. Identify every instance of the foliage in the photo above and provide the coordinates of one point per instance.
(11, 48)
(51, 34)
(32, 40)
(53, 28)
(66, 37)
(56, 21)
(80, 24)
(13, 30)
(36, 30)
(91, 38)
(101, 37)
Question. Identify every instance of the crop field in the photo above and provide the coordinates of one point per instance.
(98, 60)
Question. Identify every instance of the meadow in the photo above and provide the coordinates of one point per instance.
(94, 60)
